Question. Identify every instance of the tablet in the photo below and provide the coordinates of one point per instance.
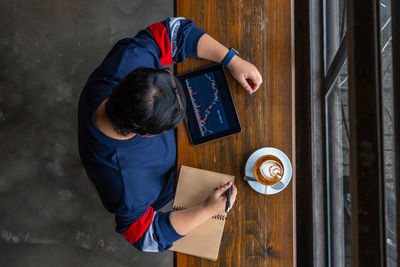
(210, 111)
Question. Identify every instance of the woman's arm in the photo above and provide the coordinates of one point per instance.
(185, 221)
(244, 72)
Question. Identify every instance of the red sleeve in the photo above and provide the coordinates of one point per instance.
(160, 35)
(137, 229)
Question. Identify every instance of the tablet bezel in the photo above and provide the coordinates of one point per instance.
(227, 102)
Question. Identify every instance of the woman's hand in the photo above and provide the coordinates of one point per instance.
(245, 73)
(216, 201)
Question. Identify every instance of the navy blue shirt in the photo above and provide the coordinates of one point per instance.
(135, 177)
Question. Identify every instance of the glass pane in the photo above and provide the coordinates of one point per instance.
(388, 130)
(338, 172)
(335, 28)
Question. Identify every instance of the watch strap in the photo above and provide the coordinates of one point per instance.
(231, 53)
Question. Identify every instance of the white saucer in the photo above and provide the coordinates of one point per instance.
(267, 189)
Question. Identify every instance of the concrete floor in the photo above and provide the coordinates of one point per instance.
(49, 214)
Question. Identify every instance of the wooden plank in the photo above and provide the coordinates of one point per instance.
(259, 229)
(279, 135)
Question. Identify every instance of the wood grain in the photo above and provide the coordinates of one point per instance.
(259, 229)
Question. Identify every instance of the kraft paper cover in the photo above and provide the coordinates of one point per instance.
(194, 186)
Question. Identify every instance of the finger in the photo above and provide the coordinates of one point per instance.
(260, 77)
(234, 191)
(223, 188)
(251, 83)
(256, 82)
(256, 76)
(234, 194)
(218, 187)
(242, 81)
(221, 185)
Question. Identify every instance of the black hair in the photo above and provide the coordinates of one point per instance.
(145, 103)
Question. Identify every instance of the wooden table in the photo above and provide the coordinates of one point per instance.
(260, 230)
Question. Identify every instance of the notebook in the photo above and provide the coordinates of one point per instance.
(194, 186)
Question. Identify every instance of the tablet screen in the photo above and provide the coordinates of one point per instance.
(210, 110)
(206, 103)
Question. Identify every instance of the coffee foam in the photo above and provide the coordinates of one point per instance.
(271, 170)
(268, 170)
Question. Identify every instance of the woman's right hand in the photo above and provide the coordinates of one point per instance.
(216, 201)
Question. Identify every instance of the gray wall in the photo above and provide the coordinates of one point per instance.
(49, 214)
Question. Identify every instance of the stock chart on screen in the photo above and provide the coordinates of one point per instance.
(207, 105)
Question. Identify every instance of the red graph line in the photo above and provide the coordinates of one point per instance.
(202, 122)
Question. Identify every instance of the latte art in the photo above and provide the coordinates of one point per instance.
(272, 170)
(268, 170)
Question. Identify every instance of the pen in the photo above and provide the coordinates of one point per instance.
(228, 200)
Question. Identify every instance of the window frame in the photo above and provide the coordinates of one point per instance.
(366, 138)
(396, 92)
(312, 84)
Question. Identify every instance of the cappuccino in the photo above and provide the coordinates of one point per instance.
(268, 170)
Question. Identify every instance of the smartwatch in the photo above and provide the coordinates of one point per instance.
(232, 52)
